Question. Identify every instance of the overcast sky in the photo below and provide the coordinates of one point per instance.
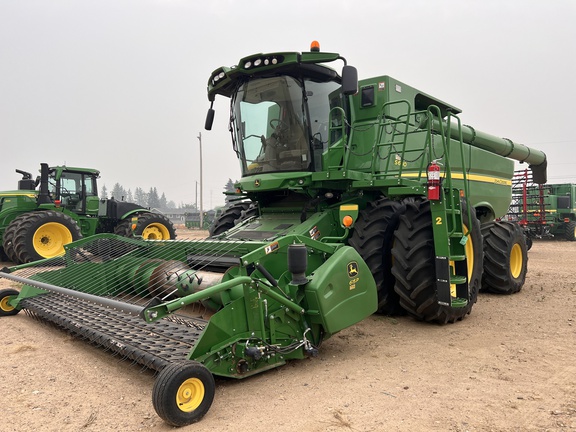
(120, 85)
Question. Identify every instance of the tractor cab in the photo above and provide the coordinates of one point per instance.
(74, 189)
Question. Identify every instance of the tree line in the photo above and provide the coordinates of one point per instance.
(152, 198)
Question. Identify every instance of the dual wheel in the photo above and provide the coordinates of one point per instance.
(414, 265)
(43, 234)
(231, 216)
(40, 234)
(396, 240)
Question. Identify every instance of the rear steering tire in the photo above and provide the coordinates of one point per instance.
(183, 392)
(414, 264)
(43, 234)
(505, 257)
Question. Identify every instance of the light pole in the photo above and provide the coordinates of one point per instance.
(201, 207)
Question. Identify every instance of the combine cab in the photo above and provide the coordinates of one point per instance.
(355, 198)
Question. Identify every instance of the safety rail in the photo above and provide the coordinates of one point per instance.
(394, 156)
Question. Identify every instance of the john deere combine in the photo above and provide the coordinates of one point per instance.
(355, 197)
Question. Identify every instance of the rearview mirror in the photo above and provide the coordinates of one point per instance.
(349, 80)
(209, 119)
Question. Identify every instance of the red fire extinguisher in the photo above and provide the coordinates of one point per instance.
(433, 181)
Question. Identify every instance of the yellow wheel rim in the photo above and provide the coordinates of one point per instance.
(156, 231)
(49, 240)
(190, 395)
(516, 260)
(5, 306)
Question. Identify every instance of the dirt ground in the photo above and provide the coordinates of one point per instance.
(509, 366)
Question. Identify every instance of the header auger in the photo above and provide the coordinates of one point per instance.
(355, 198)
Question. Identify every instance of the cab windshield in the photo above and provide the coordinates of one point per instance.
(276, 130)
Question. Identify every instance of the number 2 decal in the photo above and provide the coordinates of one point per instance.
(438, 220)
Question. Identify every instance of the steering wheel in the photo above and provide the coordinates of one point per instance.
(278, 125)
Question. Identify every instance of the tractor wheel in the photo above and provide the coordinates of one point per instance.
(570, 231)
(7, 240)
(43, 234)
(372, 237)
(151, 226)
(414, 265)
(183, 392)
(505, 257)
(5, 296)
(231, 216)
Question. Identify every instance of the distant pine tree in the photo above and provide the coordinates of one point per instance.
(118, 192)
(153, 199)
(228, 188)
(140, 197)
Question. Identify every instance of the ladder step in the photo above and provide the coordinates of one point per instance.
(457, 280)
(457, 302)
(452, 211)
(457, 257)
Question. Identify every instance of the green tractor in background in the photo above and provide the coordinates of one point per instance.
(543, 210)
(36, 224)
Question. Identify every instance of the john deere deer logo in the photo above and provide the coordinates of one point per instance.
(352, 269)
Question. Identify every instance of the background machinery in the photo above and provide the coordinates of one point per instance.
(543, 210)
(355, 197)
(36, 224)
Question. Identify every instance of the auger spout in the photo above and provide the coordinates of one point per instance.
(504, 147)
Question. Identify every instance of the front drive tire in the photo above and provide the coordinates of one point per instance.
(151, 226)
(505, 257)
(43, 234)
(414, 264)
(183, 392)
(372, 237)
(231, 216)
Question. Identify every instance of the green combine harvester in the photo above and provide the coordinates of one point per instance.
(356, 197)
